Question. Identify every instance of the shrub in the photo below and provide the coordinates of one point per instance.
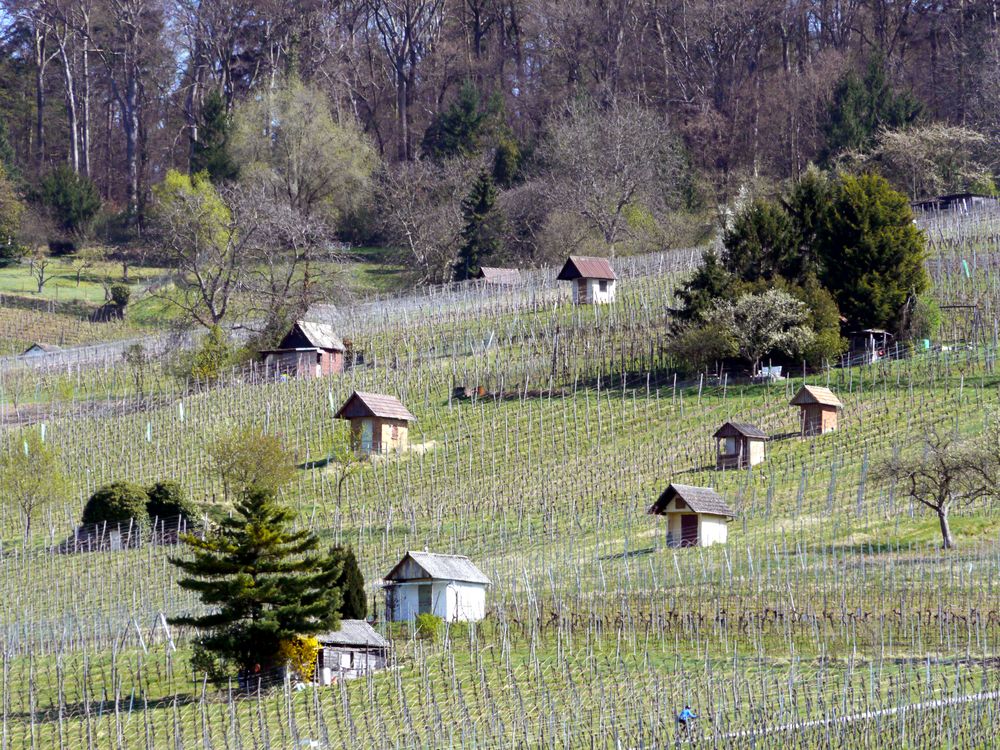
(120, 295)
(299, 653)
(167, 499)
(118, 501)
(429, 626)
(72, 198)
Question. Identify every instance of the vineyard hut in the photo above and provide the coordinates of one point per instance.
(353, 651)
(819, 408)
(498, 276)
(379, 424)
(448, 586)
(739, 445)
(593, 280)
(308, 350)
(696, 516)
(39, 349)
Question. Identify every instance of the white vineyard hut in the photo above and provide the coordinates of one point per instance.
(448, 586)
(696, 516)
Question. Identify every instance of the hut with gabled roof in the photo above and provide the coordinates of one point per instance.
(308, 350)
(448, 586)
(353, 651)
(593, 279)
(379, 424)
(819, 408)
(696, 516)
(739, 445)
(498, 276)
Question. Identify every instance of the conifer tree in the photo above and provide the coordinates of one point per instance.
(459, 130)
(483, 231)
(263, 583)
(210, 152)
(351, 584)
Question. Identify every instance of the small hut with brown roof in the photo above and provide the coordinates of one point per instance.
(308, 350)
(593, 280)
(696, 516)
(498, 276)
(379, 424)
(739, 445)
(819, 407)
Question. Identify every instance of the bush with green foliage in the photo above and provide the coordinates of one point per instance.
(167, 499)
(117, 502)
(72, 199)
(120, 295)
(429, 626)
(214, 355)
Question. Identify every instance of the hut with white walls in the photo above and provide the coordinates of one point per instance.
(593, 279)
(379, 423)
(696, 516)
(739, 445)
(448, 586)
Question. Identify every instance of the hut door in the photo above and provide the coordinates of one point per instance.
(366, 436)
(689, 531)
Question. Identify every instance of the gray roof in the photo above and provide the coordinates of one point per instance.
(746, 430)
(47, 348)
(440, 567)
(354, 633)
(499, 275)
(321, 335)
(362, 404)
(815, 394)
(699, 499)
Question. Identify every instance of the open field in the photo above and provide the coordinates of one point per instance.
(830, 619)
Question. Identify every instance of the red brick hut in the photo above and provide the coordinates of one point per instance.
(819, 408)
(739, 445)
(498, 276)
(379, 424)
(593, 280)
(309, 350)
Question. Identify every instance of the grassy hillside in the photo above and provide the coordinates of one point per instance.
(830, 619)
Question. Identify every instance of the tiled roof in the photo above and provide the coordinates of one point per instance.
(699, 499)
(580, 267)
(815, 394)
(373, 405)
(499, 275)
(730, 429)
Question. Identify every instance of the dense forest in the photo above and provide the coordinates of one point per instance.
(460, 129)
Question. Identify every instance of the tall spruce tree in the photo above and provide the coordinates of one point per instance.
(482, 234)
(210, 152)
(351, 584)
(458, 131)
(263, 583)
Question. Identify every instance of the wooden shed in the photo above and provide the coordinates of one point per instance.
(593, 279)
(498, 276)
(353, 651)
(739, 445)
(308, 350)
(448, 586)
(819, 408)
(379, 424)
(696, 516)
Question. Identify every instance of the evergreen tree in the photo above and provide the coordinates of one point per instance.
(806, 204)
(698, 294)
(506, 162)
(210, 152)
(761, 242)
(862, 105)
(458, 131)
(7, 161)
(263, 583)
(871, 252)
(72, 199)
(11, 210)
(351, 584)
(482, 234)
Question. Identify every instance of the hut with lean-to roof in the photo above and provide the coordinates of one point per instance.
(448, 586)
(308, 350)
(353, 651)
(593, 279)
(379, 423)
(819, 408)
(696, 516)
(739, 445)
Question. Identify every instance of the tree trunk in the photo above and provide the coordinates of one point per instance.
(85, 124)
(403, 116)
(948, 541)
(40, 63)
(71, 108)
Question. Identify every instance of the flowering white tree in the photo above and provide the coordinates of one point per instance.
(762, 323)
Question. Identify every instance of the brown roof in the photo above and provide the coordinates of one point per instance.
(373, 405)
(580, 267)
(499, 275)
(732, 429)
(815, 394)
(699, 499)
